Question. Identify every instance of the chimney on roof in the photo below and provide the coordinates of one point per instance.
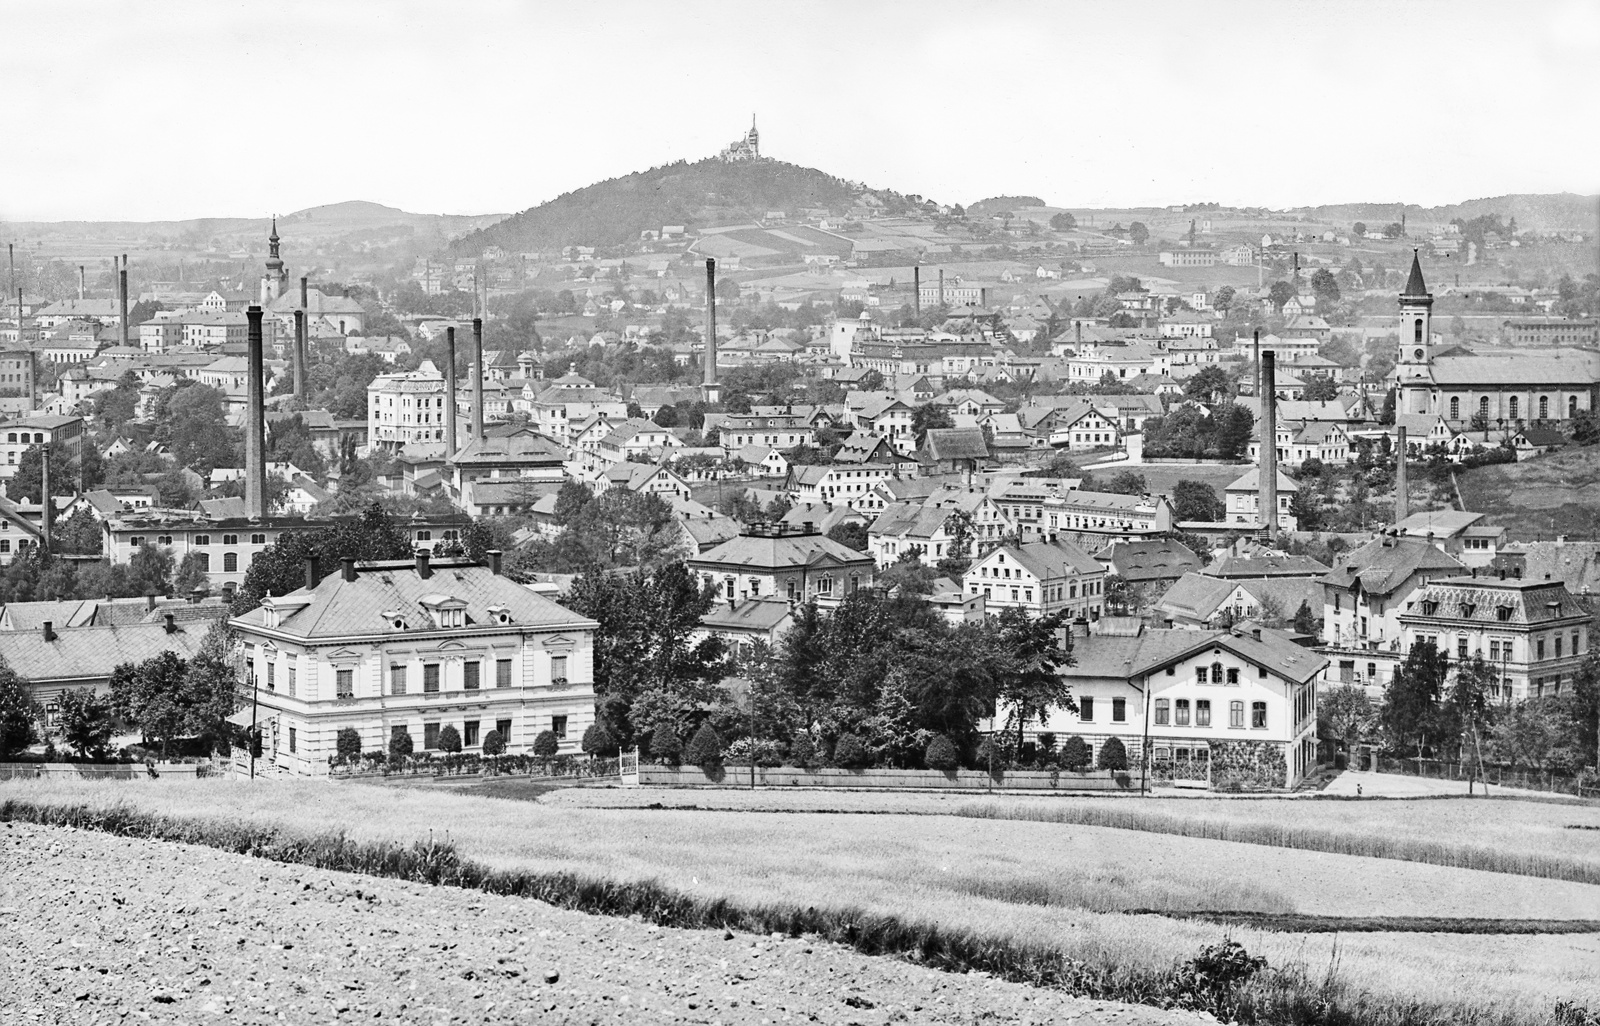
(450, 391)
(196, 595)
(172, 623)
(255, 447)
(1402, 489)
(313, 571)
(477, 378)
(1080, 627)
(494, 561)
(49, 630)
(1255, 632)
(348, 568)
(149, 601)
(424, 571)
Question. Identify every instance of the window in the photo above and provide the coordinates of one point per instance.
(1494, 650)
(272, 676)
(1461, 646)
(1455, 407)
(397, 680)
(344, 684)
(1236, 714)
(230, 539)
(1202, 712)
(558, 669)
(430, 736)
(470, 672)
(292, 675)
(503, 728)
(502, 673)
(1261, 671)
(1161, 711)
(203, 561)
(1233, 675)
(1512, 407)
(258, 539)
(1258, 714)
(1558, 646)
(1086, 709)
(1544, 407)
(469, 734)
(1182, 718)
(164, 539)
(558, 727)
(292, 739)
(230, 562)
(1119, 710)
(1200, 674)
(1539, 648)
(430, 678)
(136, 541)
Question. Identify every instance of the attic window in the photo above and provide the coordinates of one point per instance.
(1502, 613)
(499, 614)
(1429, 608)
(1467, 609)
(394, 618)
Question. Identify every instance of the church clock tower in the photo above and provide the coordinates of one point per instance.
(272, 284)
(1413, 368)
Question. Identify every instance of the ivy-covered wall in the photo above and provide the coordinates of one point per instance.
(1248, 766)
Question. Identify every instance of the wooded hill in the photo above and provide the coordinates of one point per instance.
(707, 192)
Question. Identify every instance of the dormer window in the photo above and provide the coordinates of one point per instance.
(1429, 607)
(445, 611)
(1467, 609)
(499, 615)
(394, 618)
(1502, 613)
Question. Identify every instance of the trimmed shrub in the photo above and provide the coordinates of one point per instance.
(545, 746)
(1113, 756)
(1047, 746)
(449, 739)
(400, 745)
(597, 740)
(493, 743)
(991, 755)
(850, 753)
(803, 751)
(1074, 754)
(705, 748)
(664, 744)
(348, 745)
(942, 754)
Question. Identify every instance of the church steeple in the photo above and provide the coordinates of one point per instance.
(1413, 370)
(1416, 290)
(273, 281)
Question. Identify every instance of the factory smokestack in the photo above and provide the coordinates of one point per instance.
(450, 392)
(477, 378)
(82, 292)
(298, 354)
(122, 281)
(46, 508)
(1402, 492)
(916, 289)
(1269, 442)
(941, 286)
(1257, 355)
(255, 442)
(710, 380)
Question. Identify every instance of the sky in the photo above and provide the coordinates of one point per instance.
(122, 111)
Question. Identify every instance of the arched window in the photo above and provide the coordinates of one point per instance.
(1572, 406)
(1455, 407)
(203, 561)
(230, 562)
(1483, 405)
(1544, 407)
(1419, 329)
(1512, 407)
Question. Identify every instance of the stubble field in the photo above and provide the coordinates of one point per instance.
(1060, 887)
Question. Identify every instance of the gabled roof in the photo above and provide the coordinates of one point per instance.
(517, 447)
(90, 653)
(1049, 560)
(1120, 657)
(752, 614)
(1149, 560)
(909, 520)
(1383, 564)
(771, 553)
(1195, 596)
(1251, 481)
(337, 608)
(1266, 564)
(956, 444)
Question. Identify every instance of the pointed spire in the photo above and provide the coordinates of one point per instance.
(274, 236)
(1415, 287)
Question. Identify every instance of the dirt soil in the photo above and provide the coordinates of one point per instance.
(101, 929)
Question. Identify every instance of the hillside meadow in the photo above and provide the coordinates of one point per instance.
(1018, 884)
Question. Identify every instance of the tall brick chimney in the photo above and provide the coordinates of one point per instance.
(1269, 442)
(477, 378)
(916, 289)
(122, 281)
(710, 379)
(1402, 490)
(450, 392)
(255, 441)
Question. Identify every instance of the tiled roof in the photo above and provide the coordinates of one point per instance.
(765, 552)
(1120, 657)
(1251, 480)
(1479, 600)
(1149, 560)
(339, 608)
(753, 614)
(1047, 560)
(1195, 596)
(1266, 564)
(956, 444)
(93, 652)
(1383, 564)
(520, 446)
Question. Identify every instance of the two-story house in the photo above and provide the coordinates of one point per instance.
(1363, 595)
(783, 560)
(1042, 578)
(1242, 499)
(410, 647)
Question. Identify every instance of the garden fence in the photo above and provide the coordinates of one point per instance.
(1499, 776)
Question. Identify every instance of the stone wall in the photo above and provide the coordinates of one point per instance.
(889, 779)
(1248, 766)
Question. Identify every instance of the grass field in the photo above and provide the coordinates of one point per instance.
(1034, 885)
(1541, 497)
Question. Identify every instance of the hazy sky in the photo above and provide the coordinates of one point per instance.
(173, 110)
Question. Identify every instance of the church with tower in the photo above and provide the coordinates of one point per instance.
(745, 149)
(1499, 387)
(274, 281)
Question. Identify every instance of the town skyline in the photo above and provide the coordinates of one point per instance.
(567, 120)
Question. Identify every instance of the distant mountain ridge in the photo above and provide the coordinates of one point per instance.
(1542, 212)
(699, 194)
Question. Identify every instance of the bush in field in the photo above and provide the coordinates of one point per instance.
(705, 748)
(803, 751)
(1210, 981)
(850, 753)
(597, 740)
(664, 744)
(493, 743)
(545, 746)
(1074, 754)
(400, 745)
(1113, 756)
(942, 754)
(86, 721)
(992, 755)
